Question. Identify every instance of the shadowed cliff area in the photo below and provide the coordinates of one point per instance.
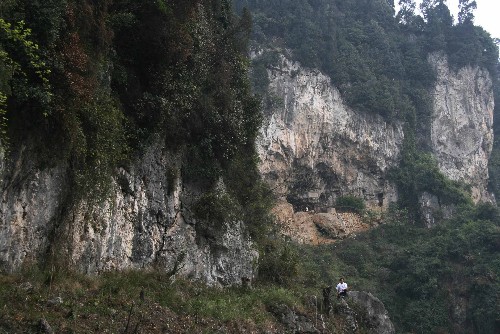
(128, 137)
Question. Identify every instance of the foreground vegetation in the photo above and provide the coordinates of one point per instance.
(126, 302)
(149, 302)
(443, 279)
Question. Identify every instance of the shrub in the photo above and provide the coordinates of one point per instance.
(279, 263)
(216, 206)
(350, 203)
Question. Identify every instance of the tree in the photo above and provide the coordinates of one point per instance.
(466, 13)
(426, 6)
(406, 11)
(23, 73)
(436, 12)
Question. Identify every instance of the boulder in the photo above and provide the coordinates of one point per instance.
(378, 318)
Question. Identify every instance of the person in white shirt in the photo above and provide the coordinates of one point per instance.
(342, 288)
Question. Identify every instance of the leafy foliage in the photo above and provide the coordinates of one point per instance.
(108, 76)
(22, 71)
(418, 172)
(422, 274)
(216, 206)
(350, 203)
(279, 263)
(466, 13)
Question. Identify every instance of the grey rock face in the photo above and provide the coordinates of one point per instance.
(433, 211)
(145, 223)
(378, 317)
(30, 203)
(44, 326)
(314, 148)
(462, 124)
(350, 316)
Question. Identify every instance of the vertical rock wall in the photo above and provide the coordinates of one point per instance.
(30, 206)
(314, 148)
(462, 124)
(146, 223)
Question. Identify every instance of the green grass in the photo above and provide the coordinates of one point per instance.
(107, 302)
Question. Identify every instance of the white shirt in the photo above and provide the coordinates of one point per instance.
(341, 287)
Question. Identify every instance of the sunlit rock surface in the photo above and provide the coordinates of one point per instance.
(314, 148)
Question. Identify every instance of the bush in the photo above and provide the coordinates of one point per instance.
(350, 203)
(216, 206)
(279, 263)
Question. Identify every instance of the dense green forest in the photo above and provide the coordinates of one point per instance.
(439, 280)
(100, 80)
(377, 59)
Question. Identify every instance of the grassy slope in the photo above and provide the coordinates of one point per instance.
(112, 303)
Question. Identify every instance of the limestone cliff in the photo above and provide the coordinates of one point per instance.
(146, 223)
(462, 124)
(315, 148)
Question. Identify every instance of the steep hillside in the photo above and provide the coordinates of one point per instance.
(360, 101)
(128, 138)
(390, 115)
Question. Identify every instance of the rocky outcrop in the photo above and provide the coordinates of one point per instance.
(462, 124)
(314, 148)
(433, 211)
(31, 201)
(351, 323)
(294, 321)
(378, 320)
(145, 223)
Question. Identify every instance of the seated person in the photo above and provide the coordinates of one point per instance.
(342, 288)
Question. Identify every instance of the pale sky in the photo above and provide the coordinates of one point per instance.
(487, 14)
